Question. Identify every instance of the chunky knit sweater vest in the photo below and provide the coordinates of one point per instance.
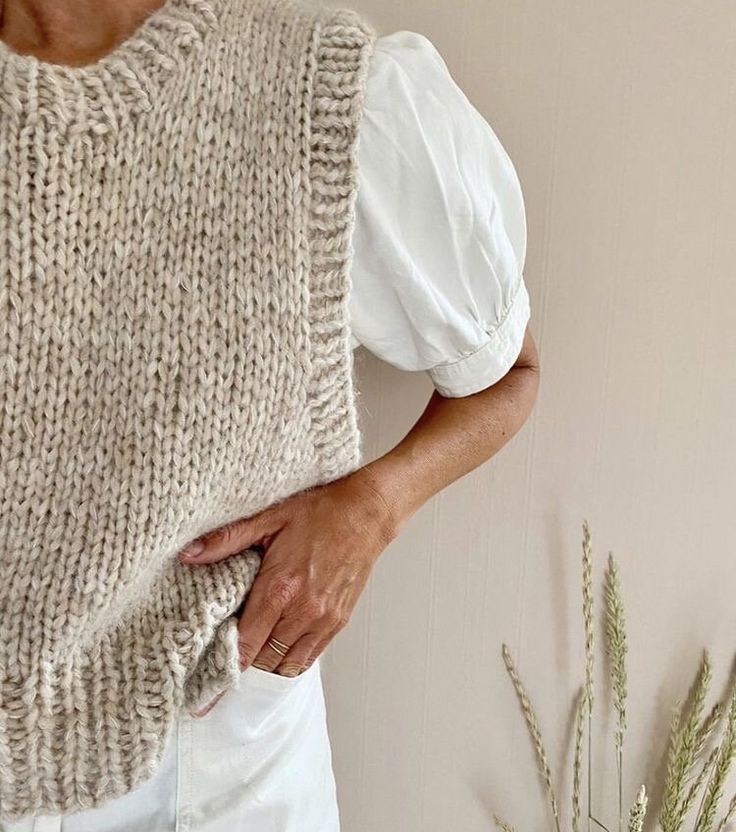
(175, 246)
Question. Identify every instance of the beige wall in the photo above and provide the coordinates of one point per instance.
(621, 120)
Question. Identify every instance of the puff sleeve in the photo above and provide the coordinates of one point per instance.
(440, 231)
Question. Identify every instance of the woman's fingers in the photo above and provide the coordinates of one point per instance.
(320, 546)
(233, 537)
(297, 658)
(208, 707)
(306, 628)
(266, 601)
(286, 633)
(304, 622)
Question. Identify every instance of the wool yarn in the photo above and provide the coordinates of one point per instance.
(175, 250)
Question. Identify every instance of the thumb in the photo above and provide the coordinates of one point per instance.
(233, 537)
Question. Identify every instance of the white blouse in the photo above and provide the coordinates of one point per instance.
(440, 229)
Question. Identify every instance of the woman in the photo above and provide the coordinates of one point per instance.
(187, 520)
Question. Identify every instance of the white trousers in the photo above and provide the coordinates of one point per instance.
(259, 761)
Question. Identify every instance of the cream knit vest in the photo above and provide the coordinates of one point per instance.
(175, 246)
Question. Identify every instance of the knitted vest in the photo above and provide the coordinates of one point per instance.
(175, 249)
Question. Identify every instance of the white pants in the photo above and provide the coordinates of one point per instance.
(259, 761)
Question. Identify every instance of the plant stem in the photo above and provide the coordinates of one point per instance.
(595, 820)
(620, 788)
(707, 771)
(590, 790)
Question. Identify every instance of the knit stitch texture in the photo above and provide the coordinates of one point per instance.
(175, 251)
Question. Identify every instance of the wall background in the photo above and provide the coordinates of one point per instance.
(621, 121)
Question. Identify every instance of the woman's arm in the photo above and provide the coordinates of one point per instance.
(453, 436)
(322, 543)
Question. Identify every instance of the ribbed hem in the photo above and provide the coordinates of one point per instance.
(79, 732)
(342, 50)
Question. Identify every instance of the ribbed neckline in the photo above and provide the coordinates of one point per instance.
(103, 94)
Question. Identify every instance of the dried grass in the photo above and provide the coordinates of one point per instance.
(688, 775)
(536, 734)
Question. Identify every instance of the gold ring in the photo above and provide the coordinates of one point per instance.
(279, 646)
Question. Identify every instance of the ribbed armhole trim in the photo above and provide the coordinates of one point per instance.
(343, 45)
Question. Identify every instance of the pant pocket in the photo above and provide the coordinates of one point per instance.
(263, 701)
(272, 680)
(261, 759)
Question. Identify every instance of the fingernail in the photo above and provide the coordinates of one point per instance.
(207, 708)
(196, 547)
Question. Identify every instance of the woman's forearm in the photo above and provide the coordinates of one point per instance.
(453, 436)
(320, 544)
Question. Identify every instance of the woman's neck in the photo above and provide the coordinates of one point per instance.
(70, 31)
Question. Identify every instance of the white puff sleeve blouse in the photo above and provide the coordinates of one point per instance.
(440, 233)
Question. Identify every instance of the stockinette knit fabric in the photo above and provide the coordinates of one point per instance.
(175, 250)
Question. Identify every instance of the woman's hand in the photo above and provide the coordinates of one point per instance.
(320, 547)
(322, 543)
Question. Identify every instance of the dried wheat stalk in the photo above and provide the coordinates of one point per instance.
(533, 725)
(616, 647)
(685, 741)
(589, 644)
(729, 814)
(714, 790)
(638, 811)
(689, 730)
(502, 825)
(578, 759)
